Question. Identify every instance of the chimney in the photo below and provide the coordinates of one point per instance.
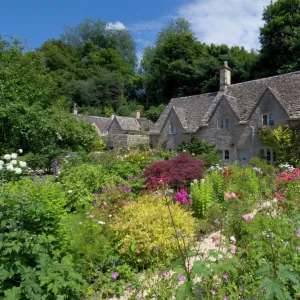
(74, 110)
(137, 114)
(112, 116)
(225, 77)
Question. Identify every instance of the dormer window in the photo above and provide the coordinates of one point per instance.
(268, 119)
(172, 129)
(223, 123)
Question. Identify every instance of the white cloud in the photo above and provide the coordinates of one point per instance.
(232, 22)
(116, 25)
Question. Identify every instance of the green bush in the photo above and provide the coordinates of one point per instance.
(144, 233)
(267, 168)
(33, 242)
(82, 181)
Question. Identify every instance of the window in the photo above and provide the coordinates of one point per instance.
(268, 119)
(224, 154)
(172, 129)
(268, 154)
(223, 123)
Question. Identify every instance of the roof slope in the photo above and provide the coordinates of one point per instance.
(102, 123)
(127, 123)
(196, 111)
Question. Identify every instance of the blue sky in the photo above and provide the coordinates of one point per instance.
(234, 22)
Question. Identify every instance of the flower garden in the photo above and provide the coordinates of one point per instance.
(132, 224)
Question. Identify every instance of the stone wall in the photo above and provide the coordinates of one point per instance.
(125, 140)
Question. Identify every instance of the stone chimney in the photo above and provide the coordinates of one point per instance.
(137, 114)
(74, 110)
(112, 116)
(225, 77)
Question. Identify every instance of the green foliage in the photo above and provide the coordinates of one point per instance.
(33, 260)
(279, 38)
(82, 181)
(203, 150)
(202, 196)
(144, 233)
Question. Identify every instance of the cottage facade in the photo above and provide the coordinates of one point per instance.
(117, 131)
(231, 117)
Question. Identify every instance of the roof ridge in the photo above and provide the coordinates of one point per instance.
(280, 75)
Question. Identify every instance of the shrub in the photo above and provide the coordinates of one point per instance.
(262, 164)
(179, 170)
(203, 150)
(144, 233)
(82, 181)
(33, 260)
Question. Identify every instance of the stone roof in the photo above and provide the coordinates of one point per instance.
(102, 123)
(196, 111)
(128, 124)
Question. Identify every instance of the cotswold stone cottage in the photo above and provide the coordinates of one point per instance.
(230, 117)
(117, 131)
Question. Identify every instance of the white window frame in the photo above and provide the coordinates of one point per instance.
(223, 154)
(268, 119)
(269, 154)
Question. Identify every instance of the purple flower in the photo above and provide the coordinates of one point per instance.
(298, 234)
(156, 249)
(104, 190)
(262, 291)
(232, 249)
(232, 239)
(165, 273)
(114, 275)
(291, 221)
(214, 292)
(128, 190)
(225, 276)
(241, 288)
(273, 246)
(298, 248)
(181, 277)
(225, 298)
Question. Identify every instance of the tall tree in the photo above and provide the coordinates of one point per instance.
(280, 37)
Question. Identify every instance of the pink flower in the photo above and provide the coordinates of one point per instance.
(165, 273)
(298, 234)
(232, 249)
(225, 298)
(232, 239)
(227, 196)
(114, 275)
(214, 292)
(247, 217)
(225, 276)
(181, 277)
(298, 248)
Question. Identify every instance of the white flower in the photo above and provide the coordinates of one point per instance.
(101, 222)
(109, 216)
(1, 167)
(70, 191)
(13, 162)
(22, 164)
(1, 162)
(7, 157)
(10, 167)
(20, 151)
(18, 170)
(14, 155)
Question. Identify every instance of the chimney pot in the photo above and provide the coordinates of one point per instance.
(75, 111)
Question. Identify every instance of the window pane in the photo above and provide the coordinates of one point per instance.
(226, 154)
(265, 119)
(274, 155)
(262, 152)
(221, 125)
(226, 123)
(272, 120)
(268, 154)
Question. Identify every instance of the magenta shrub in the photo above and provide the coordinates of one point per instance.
(179, 170)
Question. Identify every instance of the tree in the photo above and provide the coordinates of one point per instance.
(103, 37)
(280, 37)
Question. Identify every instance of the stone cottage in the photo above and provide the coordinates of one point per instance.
(117, 131)
(230, 117)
